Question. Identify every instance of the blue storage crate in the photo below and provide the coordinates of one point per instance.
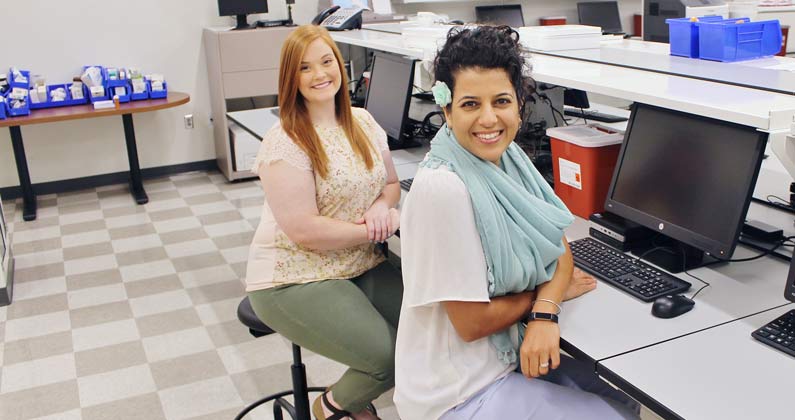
(157, 94)
(14, 84)
(41, 105)
(104, 96)
(122, 98)
(3, 109)
(73, 101)
(140, 96)
(69, 101)
(112, 83)
(16, 112)
(683, 35)
(25, 110)
(738, 39)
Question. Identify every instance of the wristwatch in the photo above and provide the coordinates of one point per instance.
(542, 316)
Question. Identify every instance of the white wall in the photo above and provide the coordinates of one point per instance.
(56, 38)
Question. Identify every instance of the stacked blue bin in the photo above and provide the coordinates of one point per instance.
(104, 96)
(69, 101)
(25, 110)
(117, 87)
(726, 40)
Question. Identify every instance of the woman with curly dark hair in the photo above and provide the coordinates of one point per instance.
(483, 248)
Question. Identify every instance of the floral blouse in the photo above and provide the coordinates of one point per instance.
(345, 194)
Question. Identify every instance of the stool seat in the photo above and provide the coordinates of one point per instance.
(246, 315)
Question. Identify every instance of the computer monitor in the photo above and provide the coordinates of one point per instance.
(241, 8)
(601, 13)
(506, 14)
(687, 177)
(389, 95)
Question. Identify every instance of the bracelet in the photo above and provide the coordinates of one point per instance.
(543, 316)
(548, 301)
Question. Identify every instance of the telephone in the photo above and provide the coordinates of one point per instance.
(336, 19)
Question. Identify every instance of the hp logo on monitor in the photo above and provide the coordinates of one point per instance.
(661, 227)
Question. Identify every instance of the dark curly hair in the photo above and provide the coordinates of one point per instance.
(485, 47)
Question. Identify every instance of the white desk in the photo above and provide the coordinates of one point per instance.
(720, 374)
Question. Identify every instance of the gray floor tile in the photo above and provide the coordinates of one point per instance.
(141, 407)
(187, 369)
(115, 385)
(100, 314)
(96, 296)
(183, 236)
(141, 256)
(216, 292)
(229, 333)
(197, 181)
(254, 384)
(39, 288)
(176, 344)
(38, 306)
(37, 246)
(37, 348)
(197, 262)
(152, 286)
(93, 279)
(78, 208)
(38, 372)
(40, 401)
(83, 227)
(41, 272)
(235, 240)
(207, 276)
(200, 398)
(159, 216)
(123, 211)
(109, 358)
(243, 202)
(165, 195)
(131, 231)
(221, 217)
(205, 198)
(168, 322)
(40, 222)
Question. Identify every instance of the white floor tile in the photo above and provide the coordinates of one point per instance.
(218, 312)
(36, 234)
(38, 372)
(228, 228)
(129, 220)
(34, 289)
(161, 302)
(38, 258)
(93, 296)
(115, 385)
(262, 352)
(35, 326)
(87, 238)
(200, 398)
(210, 208)
(174, 225)
(87, 265)
(84, 216)
(147, 270)
(180, 343)
(184, 249)
(174, 203)
(105, 334)
(205, 276)
(66, 415)
(235, 255)
(136, 243)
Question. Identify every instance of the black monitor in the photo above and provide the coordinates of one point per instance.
(789, 290)
(601, 13)
(687, 177)
(389, 95)
(241, 8)
(506, 14)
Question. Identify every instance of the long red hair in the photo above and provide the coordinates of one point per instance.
(292, 109)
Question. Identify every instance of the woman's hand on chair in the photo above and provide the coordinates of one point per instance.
(540, 350)
(381, 221)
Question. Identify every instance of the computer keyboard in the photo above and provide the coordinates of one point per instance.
(779, 333)
(595, 116)
(406, 184)
(623, 271)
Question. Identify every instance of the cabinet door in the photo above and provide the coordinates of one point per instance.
(250, 50)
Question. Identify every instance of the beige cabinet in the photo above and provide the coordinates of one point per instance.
(240, 64)
(6, 262)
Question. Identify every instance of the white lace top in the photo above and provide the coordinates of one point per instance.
(345, 194)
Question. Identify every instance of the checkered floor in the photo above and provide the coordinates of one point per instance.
(124, 311)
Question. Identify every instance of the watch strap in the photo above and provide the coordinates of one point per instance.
(542, 316)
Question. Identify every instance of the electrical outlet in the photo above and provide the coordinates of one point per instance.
(189, 121)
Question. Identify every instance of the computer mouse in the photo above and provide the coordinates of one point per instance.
(671, 306)
(456, 22)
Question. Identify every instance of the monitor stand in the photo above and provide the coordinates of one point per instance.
(242, 23)
(404, 143)
(669, 256)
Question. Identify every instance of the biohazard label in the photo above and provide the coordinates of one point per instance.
(570, 173)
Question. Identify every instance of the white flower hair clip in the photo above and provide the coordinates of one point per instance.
(441, 94)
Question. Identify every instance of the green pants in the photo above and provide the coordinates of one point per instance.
(353, 322)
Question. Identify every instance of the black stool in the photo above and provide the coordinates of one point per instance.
(300, 391)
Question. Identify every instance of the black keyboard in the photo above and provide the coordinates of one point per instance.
(595, 116)
(779, 333)
(406, 184)
(625, 272)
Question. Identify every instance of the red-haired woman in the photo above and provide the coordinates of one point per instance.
(314, 273)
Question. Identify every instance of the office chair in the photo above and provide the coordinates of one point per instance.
(300, 391)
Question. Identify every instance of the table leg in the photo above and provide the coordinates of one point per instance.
(136, 186)
(28, 196)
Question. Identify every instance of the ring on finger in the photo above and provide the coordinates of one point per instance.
(544, 365)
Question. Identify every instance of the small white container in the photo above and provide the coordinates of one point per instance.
(560, 37)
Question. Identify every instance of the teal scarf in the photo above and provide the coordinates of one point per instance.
(519, 218)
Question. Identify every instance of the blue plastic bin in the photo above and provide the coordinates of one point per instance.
(683, 35)
(738, 39)
(69, 101)
(157, 94)
(140, 96)
(14, 84)
(112, 83)
(3, 110)
(124, 97)
(104, 96)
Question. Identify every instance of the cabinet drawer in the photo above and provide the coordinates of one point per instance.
(245, 84)
(256, 49)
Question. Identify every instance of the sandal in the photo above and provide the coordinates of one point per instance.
(320, 402)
